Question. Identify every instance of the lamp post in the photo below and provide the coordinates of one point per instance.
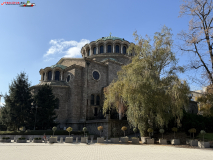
(35, 115)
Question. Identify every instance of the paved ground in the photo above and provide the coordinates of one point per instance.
(80, 151)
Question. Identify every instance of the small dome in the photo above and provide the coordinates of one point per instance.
(110, 37)
(58, 65)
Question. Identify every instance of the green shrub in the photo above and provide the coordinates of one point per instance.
(37, 138)
(22, 138)
(6, 138)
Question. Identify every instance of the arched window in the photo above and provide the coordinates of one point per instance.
(124, 49)
(56, 103)
(117, 49)
(49, 75)
(43, 76)
(98, 100)
(109, 48)
(68, 78)
(94, 50)
(92, 99)
(57, 75)
(101, 49)
(88, 52)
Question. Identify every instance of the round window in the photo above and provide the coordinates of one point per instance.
(68, 78)
(96, 75)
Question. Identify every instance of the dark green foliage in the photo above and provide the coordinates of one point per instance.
(17, 109)
(46, 103)
(41, 132)
(6, 138)
(37, 138)
(3, 127)
(22, 138)
(196, 121)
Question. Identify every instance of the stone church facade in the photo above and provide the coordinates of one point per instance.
(78, 84)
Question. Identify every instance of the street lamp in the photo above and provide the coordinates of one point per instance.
(35, 115)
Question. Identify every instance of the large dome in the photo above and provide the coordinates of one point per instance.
(106, 46)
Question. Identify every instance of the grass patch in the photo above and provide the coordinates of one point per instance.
(207, 137)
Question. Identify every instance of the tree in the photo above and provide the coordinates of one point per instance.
(100, 128)
(198, 39)
(69, 129)
(205, 104)
(17, 110)
(149, 86)
(46, 104)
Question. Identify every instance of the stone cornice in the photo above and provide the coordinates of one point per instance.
(72, 67)
(62, 59)
(91, 60)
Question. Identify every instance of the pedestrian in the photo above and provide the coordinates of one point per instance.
(44, 138)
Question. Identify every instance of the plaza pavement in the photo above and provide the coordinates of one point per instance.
(95, 151)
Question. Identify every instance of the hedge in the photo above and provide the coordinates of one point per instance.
(41, 132)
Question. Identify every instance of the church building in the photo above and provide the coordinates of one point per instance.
(78, 84)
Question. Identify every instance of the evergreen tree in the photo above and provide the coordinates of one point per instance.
(17, 110)
(149, 86)
(46, 104)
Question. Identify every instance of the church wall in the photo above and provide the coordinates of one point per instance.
(75, 83)
(95, 86)
(107, 127)
(113, 68)
(63, 94)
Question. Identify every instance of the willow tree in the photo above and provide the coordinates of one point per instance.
(149, 86)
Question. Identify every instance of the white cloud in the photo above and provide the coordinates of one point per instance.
(1, 104)
(68, 48)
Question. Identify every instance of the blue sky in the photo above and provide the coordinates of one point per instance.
(36, 37)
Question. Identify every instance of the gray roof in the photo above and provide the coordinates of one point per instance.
(58, 65)
(110, 37)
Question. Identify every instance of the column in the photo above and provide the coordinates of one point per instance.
(61, 75)
(121, 48)
(96, 49)
(104, 47)
(85, 52)
(45, 76)
(113, 49)
(53, 73)
(91, 50)
(42, 76)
